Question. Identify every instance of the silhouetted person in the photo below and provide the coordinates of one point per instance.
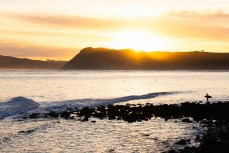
(207, 96)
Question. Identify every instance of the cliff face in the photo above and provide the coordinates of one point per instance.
(109, 59)
(7, 62)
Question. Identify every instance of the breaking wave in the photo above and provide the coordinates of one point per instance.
(21, 105)
(16, 106)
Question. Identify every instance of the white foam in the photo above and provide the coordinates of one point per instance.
(20, 105)
(59, 106)
(16, 106)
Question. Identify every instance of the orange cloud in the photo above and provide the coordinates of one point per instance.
(22, 49)
(57, 36)
(174, 24)
(65, 21)
(193, 25)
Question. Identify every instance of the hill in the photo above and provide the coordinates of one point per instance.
(7, 62)
(110, 59)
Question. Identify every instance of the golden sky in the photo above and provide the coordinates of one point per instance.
(58, 29)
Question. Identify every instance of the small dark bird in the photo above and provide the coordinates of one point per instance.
(207, 97)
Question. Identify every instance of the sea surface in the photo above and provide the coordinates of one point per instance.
(28, 91)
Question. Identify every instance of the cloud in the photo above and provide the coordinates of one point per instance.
(22, 49)
(174, 24)
(65, 21)
(186, 24)
(206, 29)
(204, 18)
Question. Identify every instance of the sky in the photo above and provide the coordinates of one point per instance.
(59, 29)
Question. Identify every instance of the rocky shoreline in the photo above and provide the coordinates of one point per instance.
(214, 116)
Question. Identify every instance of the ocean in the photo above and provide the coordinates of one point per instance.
(27, 91)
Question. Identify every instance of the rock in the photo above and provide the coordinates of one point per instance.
(181, 142)
(85, 119)
(65, 115)
(71, 118)
(197, 139)
(27, 132)
(84, 111)
(34, 115)
(171, 151)
(186, 120)
(53, 114)
(146, 135)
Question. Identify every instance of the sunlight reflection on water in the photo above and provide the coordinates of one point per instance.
(104, 136)
(44, 86)
(155, 135)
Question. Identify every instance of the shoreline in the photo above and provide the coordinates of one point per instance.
(214, 116)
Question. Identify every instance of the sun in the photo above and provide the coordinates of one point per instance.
(139, 40)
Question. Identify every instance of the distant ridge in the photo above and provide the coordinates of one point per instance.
(7, 62)
(111, 59)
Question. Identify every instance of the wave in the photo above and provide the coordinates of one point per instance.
(17, 105)
(21, 105)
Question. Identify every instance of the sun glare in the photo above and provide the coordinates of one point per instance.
(139, 40)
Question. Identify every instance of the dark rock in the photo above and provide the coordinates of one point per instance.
(34, 115)
(186, 120)
(187, 148)
(71, 118)
(65, 115)
(85, 119)
(171, 151)
(27, 132)
(85, 111)
(53, 114)
(181, 142)
(197, 139)
(99, 115)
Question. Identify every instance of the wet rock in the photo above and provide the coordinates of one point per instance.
(181, 142)
(53, 114)
(171, 151)
(207, 122)
(65, 115)
(186, 120)
(197, 139)
(209, 142)
(85, 111)
(111, 117)
(99, 115)
(71, 118)
(111, 151)
(101, 109)
(27, 132)
(34, 116)
(85, 119)
(188, 149)
(139, 112)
